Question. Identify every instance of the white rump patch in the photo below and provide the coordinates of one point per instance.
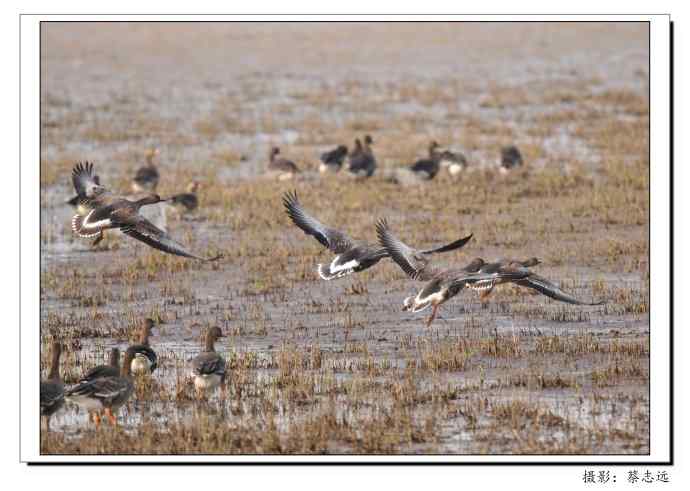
(338, 271)
(422, 303)
(83, 228)
(206, 382)
(78, 228)
(343, 267)
(454, 168)
(482, 285)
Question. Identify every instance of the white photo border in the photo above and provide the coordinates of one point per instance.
(661, 424)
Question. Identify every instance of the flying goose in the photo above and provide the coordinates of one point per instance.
(518, 272)
(442, 285)
(105, 394)
(52, 390)
(332, 161)
(351, 256)
(106, 211)
(147, 177)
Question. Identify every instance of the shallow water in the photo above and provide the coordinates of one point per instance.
(216, 120)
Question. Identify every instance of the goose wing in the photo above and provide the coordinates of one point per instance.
(362, 162)
(209, 363)
(86, 182)
(100, 371)
(104, 388)
(335, 240)
(411, 261)
(335, 156)
(545, 287)
(141, 229)
(448, 247)
(90, 193)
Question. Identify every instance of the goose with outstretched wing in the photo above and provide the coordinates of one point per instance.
(105, 211)
(441, 285)
(518, 272)
(351, 256)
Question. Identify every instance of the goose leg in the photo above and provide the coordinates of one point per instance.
(111, 416)
(432, 316)
(98, 239)
(484, 297)
(96, 419)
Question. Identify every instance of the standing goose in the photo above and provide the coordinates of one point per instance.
(106, 211)
(442, 285)
(104, 394)
(426, 169)
(186, 202)
(209, 366)
(279, 167)
(362, 160)
(52, 389)
(332, 161)
(454, 162)
(510, 158)
(144, 359)
(351, 256)
(112, 369)
(147, 177)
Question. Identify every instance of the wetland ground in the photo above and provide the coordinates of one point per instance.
(336, 367)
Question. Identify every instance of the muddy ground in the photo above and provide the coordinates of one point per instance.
(337, 367)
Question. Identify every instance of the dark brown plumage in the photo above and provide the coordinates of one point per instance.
(104, 394)
(52, 390)
(510, 158)
(112, 369)
(333, 160)
(480, 276)
(362, 161)
(144, 358)
(351, 256)
(106, 211)
(147, 177)
(282, 168)
(208, 366)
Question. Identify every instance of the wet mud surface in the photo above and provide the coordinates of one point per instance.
(337, 367)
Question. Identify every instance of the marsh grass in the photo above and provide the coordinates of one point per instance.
(336, 367)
